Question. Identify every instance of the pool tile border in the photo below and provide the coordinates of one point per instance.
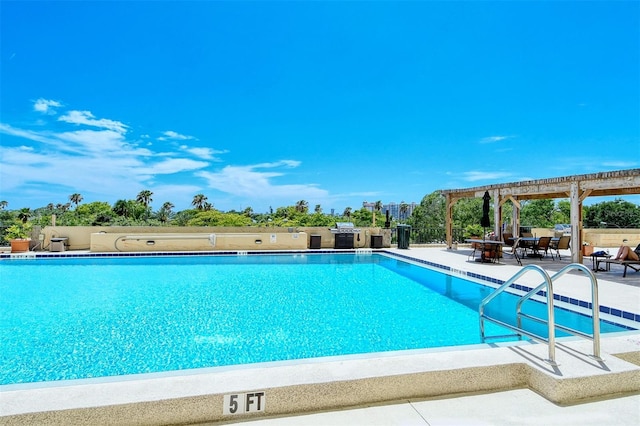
(569, 300)
(579, 303)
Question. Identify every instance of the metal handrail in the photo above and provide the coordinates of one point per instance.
(551, 336)
(550, 321)
(595, 306)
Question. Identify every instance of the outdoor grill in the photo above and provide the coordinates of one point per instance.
(344, 235)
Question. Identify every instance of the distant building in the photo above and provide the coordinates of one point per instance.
(394, 208)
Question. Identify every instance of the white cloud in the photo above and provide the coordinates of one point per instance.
(205, 153)
(46, 106)
(493, 139)
(621, 164)
(171, 135)
(102, 163)
(250, 182)
(174, 165)
(473, 176)
(86, 118)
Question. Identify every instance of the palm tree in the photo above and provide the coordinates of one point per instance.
(404, 208)
(164, 214)
(63, 207)
(144, 197)
(199, 201)
(207, 207)
(347, 213)
(378, 206)
(318, 209)
(121, 208)
(302, 206)
(75, 199)
(168, 206)
(24, 214)
(3, 204)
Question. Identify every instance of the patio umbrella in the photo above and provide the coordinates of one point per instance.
(485, 222)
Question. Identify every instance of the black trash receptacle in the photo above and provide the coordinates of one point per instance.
(376, 241)
(404, 232)
(315, 241)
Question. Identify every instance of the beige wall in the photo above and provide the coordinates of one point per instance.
(127, 242)
(197, 238)
(599, 237)
(611, 237)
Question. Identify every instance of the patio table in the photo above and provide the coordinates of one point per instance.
(487, 245)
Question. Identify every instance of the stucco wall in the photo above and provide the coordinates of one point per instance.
(128, 242)
(227, 238)
(600, 237)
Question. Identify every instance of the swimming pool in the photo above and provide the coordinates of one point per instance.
(94, 317)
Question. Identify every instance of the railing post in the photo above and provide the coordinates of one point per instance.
(552, 324)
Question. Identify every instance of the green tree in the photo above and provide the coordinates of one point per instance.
(468, 211)
(362, 217)
(131, 209)
(94, 214)
(183, 217)
(217, 218)
(538, 213)
(612, 214)
(318, 219)
(430, 213)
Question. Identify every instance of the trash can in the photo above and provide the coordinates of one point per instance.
(376, 241)
(315, 241)
(404, 232)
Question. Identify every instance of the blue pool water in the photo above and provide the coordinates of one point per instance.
(79, 318)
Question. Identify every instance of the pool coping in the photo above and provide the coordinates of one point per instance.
(313, 385)
(337, 382)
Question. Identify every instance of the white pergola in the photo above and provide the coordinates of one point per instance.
(577, 188)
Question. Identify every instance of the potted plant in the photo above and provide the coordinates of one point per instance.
(587, 249)
(18, 235)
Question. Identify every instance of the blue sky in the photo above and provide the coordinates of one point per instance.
(266, 103)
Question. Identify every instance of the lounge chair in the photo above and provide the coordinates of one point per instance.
(626, 263)
(560, 244)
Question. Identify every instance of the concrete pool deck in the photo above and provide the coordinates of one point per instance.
(481, 384)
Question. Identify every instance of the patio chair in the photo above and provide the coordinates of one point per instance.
(543, 246)
(507, 237)
(514, 250)
(560, 244)
(475, 247)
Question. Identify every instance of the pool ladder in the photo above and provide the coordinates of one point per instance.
(552, 326)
